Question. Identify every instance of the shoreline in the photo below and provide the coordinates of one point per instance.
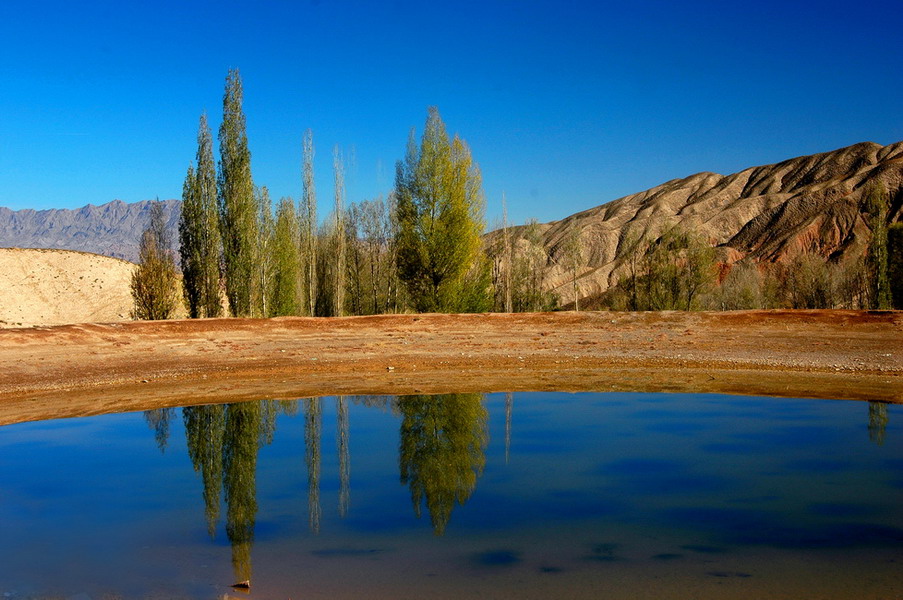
(78, 370)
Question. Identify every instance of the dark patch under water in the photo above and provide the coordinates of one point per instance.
(704, 549)
(497, 558)
(345, 552)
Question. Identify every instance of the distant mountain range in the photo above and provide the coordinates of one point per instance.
(767, 213)
(113, 229)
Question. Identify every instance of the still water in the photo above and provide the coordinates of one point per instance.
(539, 495)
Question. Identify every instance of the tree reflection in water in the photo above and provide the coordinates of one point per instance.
(158, 420)
(313, 417)
(241, 442)
(204, 427)
(223, 442)
(342, 435)
(877, 422)
(441, 453)
(443, 439)
(509, 407)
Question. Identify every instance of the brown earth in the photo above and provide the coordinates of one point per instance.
(75, 370)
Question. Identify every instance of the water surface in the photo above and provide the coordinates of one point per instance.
(464, 495)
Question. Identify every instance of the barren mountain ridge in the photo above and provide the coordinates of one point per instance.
(769, 213)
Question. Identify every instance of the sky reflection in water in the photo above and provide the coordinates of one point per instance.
(521, 495)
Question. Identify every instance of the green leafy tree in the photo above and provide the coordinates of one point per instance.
(355, 259)
(438, 189)
(286, 296)
(237, 205)
(876, 205)
(443, 440)
(199, 239)
(697, 269)
(189, 250)
(678, 268)
(895, 263)
(154, 280)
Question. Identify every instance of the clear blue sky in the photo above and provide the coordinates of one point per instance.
(566, 105)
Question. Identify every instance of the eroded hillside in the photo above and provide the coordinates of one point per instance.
(769, 213)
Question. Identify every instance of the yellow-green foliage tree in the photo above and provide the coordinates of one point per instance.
(442, 451)
(440, 207)
(679, 267)
(154, 280)
(286, 295)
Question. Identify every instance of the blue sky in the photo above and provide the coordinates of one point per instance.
(566, 105)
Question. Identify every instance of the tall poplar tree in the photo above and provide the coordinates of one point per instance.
(210, 243)
(440, 217)
(199, 239)
(876, 204)
(338, 280)
(308, 216)
(237, 206)
(189, 246)
(286, 296)
(264, 260)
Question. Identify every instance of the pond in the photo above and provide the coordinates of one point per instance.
(526, 495)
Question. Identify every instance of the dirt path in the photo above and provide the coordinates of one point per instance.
(74, 370)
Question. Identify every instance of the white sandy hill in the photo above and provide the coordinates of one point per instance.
(55, 287)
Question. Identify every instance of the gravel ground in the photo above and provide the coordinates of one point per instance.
(73, 370)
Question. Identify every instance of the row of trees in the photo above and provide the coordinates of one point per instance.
(420, 249)
(441, 456)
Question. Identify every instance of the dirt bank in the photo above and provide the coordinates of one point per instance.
(74, 370)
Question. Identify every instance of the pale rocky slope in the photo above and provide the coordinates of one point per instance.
(54, 287)
(768, 213)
